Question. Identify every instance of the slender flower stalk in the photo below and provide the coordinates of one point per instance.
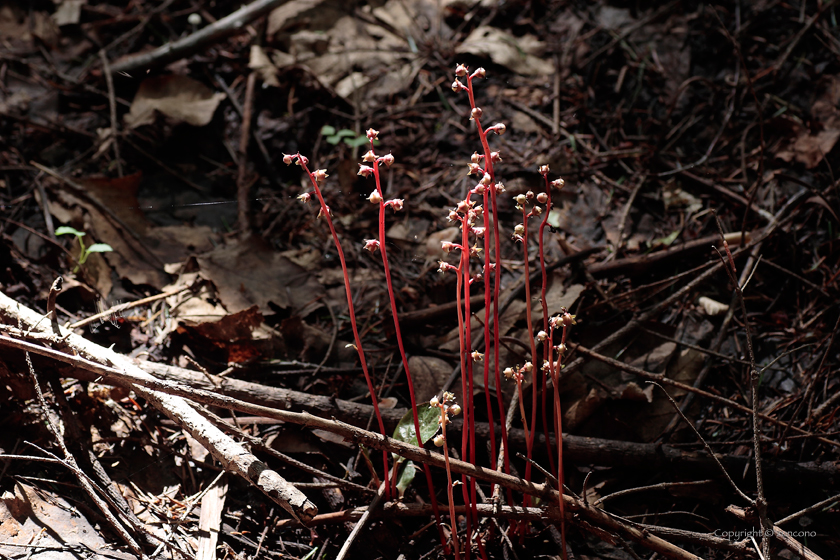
(447, 406)
(565, 319)
(377, 197)
(518, 375)
(545, 198)
(316, 178)
(521, 235)
(491, 289)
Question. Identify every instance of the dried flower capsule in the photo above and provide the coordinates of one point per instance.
(320, 176)
(434, 401)
(475, 158)
(396, 204)
(365, 170)
(473, 169)
(443, 266)
(508, 372)
(519, 229)
(371, 245)
(542, 336)
(520, 199)
(369, 157)
(544, 170)
(486, 180)
(439, 440)
(542, 198)
(500, 188)
(476, 113)
(388, 160)
(287, 159)
(457, 86)
(558, 183)
(476, 356)
(374, 197)
(479, 73)
(455, 410)
(305, 197)
(495, 157)
(372, 134)
(498, 128)
(461, 70)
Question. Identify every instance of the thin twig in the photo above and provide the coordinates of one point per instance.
(112, 102)
(242, 183)
(225, 27)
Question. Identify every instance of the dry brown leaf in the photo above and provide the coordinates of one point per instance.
(68, 11)
(809, 148)
(519, 54)
(282, 15)
(250, 272)
(712, 307)
(429, 375)
(260, 62)
(433, 247)
(31, 517)
(582, 409)
(177, 97)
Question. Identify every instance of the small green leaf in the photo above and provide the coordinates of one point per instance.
(356, 142)
(64, 230)
(100, 248)
(669, 239)
(406, 477)
(345, 132)
(327, 130)
(335, 139)
(427, 416)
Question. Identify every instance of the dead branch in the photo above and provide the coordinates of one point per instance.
(231, 454)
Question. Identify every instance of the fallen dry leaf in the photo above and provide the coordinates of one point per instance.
(519, 54)
(178, 97)
(250, 272)
(260, 62)
(39, 518)
(809, 147)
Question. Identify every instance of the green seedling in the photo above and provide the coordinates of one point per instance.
(84, 252)
(348, 136)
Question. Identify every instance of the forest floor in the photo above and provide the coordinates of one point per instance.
(192, 387)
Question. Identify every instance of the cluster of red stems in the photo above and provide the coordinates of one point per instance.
(477, 216)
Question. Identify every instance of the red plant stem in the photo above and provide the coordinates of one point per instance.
(358, 341)
(544, 303)
(468, 438)
(529, 444)
(558, 417)
(497, 276)
(488, 299)
(398, 334)
(452, 517)
(463, 357)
